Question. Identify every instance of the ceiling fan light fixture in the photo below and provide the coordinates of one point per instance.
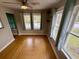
(24, 7)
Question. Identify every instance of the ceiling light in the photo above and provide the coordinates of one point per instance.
(24, 7)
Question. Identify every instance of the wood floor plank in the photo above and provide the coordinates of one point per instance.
(28, 47)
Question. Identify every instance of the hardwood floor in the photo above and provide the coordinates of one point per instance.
(29, 47)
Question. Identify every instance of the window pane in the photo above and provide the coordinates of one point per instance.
(27, 21)
(72, 46)
(75, 28)
(72, 43)
(0, 24)
(37, 26)
(56, 25)
(37, 21)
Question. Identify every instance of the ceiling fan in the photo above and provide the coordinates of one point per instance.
(25, 4)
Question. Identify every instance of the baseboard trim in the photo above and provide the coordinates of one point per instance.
(6, 45)
(53, 47)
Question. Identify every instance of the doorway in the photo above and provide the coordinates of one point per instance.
(12, 23)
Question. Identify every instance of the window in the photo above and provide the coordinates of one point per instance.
(27, 21)
(71, 46)
(36, 21)
(56, 21)
(1, 24)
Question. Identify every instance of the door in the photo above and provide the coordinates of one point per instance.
(12, 22)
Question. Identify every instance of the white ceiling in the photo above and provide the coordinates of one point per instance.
(42, 4)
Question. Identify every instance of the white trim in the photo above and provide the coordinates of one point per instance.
(6, 45)
(53, 47)
(65, 54)
(59, 11)
(32, 33)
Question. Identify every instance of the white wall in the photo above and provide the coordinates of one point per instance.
(5, 33)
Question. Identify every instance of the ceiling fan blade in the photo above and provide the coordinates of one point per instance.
(35, 3)
(12, 2)
(32, 2)
(29, 5)
(22, 1)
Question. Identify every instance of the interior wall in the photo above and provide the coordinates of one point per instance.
(22, 31)
(49, 22)
(77, 2)
(5, 33)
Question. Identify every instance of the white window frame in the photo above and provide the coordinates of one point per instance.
(76, 10)
(32, 21)
(1, 25)
(54, 20)
(27, 28)
(40, 24)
